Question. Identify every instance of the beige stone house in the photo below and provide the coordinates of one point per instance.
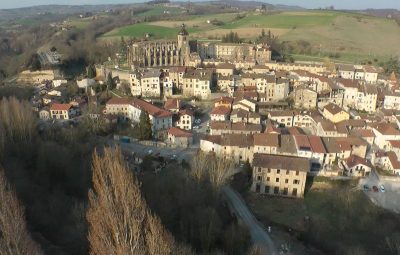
(305, 98)
(197, 83)
(179, 137)
(185, 119)
(279, 175)
(61, 111)
(335, 113)
(237, 147)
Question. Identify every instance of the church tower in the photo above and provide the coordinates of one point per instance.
(183, 39)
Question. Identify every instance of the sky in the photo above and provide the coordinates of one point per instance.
(339, 4)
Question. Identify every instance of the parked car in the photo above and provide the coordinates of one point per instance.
(366, 188)
(375, 189)
(149, 152)
(196, 127)
(197, 121)
(382, 188)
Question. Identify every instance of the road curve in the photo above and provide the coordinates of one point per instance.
(258, 234)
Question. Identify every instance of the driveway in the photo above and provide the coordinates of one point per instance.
(258, 234)
(390, 199)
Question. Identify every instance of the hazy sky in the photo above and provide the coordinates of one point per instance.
(339, 4)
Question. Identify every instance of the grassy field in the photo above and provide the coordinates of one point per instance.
(351, 37)
(286, 20)
(160, 10)
(140, 30)
(341, 219)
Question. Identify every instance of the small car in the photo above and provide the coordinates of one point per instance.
(366, 188)
(149, 151)
(382, 188)
(375, 189)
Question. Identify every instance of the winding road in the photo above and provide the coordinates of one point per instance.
(258, 234)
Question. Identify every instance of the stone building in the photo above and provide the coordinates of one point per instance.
(182, 52)
(161, 52)
(279, 175)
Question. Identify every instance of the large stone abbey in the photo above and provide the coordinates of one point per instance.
(159, 53)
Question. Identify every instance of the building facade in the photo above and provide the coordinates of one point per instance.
(279, 175)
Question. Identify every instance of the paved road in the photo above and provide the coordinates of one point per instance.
(258, 234)
(390, 199)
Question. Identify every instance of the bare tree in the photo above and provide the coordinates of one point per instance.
(255, 250)
(17, 122)
(14, 236)
(120, 222)
(208, 167)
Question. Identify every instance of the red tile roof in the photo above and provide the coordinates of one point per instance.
(394, 144)
(316, 143)
(172, 103)
(387, 129)
(393, 159)
(270, 140)
(141, 104)
(186, 112)
(220, 110)
(60, 107)
(119, 100)
(150, 108)
(177, 132)
(333, 108)
(302, 142)
(355, 160)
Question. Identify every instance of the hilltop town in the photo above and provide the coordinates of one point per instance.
(294, 119)
(278, 130)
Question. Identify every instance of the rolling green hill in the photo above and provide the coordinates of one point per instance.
(343, 35)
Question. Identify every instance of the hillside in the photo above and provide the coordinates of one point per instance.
(345, 35)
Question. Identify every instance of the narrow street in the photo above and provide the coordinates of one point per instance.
(258, 235)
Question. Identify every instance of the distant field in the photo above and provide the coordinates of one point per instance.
(284, 20)
(352, 37)
(160, 10)
(139, 31)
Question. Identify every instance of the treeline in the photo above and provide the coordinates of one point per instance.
(76, 202)
(231, 37)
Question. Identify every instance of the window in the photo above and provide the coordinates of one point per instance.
(278, 171)
(297, 172)
(277, 179)
(267, 188)
(294, 192)
(276, 190)
(286, 180)
(269, 170)
(287, 172)
(259, 169)
(296, 181)
(267, 179)
(258, 178)
(285, 191)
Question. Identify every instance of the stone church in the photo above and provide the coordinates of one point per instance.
(179, 52)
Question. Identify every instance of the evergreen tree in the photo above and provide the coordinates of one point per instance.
(392, 65)
(34, 63)
(145, 126)
(110, 82)
(91, 71)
